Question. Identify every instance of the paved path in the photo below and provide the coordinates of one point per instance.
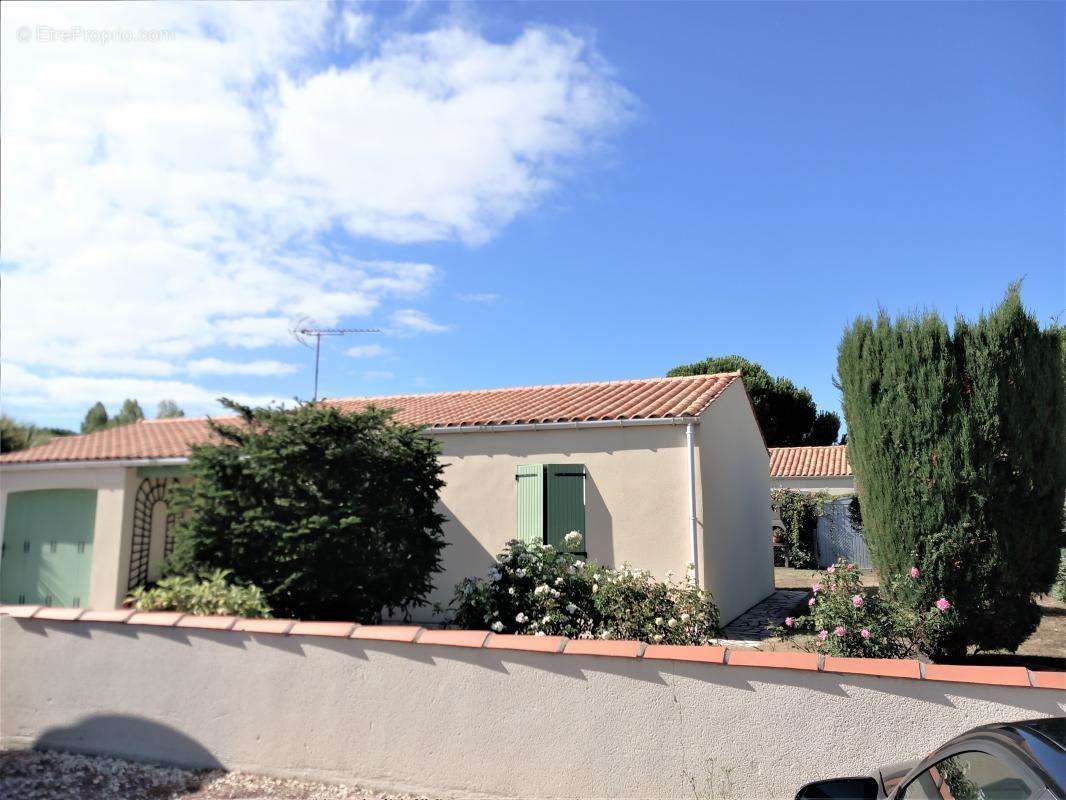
(751, 625)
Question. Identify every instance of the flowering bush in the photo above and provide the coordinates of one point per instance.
(847, 620)
(536, 589)
(206, 594)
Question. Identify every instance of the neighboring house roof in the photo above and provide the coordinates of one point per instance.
(653, 398)
(830, 461)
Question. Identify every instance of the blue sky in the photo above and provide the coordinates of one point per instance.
(676, 181)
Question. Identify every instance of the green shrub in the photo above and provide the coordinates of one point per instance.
(535, 589)
(846, 619)
(332, 514)
(956, 438)
(799, 512)
(205, 594)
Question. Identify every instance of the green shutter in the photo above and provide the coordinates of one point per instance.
(566, 502)
(47, 553)
(530, 481)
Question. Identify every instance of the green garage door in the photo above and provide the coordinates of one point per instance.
(48, 547)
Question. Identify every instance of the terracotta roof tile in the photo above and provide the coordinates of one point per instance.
(810, 462)
(578, 402)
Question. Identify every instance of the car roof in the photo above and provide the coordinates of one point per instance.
(1049, 729)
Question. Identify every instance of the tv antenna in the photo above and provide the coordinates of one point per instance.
(302, 332)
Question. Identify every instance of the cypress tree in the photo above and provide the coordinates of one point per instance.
(95, 418)
(958, 442)
(131, 411)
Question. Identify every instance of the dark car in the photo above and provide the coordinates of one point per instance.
(1005, 761)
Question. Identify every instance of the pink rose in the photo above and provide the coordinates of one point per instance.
(789, 622)
(816, 587)
(831, 569)
(914, 572)
(839, 630)
(853, 566)
(865, 634)
(810, 602)
(822, 634)
(943, 604)
(857, 601)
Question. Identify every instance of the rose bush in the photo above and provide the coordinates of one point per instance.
(538, 590)
(846, 619)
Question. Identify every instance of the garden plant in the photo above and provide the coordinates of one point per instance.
(210, 593)
(333, 515)
(956, 439)
(846, 619)
(539, 590)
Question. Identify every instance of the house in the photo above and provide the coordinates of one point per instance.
(812, 469)
(659, 473)
(824, 469)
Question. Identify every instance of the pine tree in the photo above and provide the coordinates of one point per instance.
(168, 409)
(786, 413)
(95, 419)
(131, 411)
(958, 442)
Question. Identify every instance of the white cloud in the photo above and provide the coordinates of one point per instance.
(409, 320)
(75, 393)
(485, 298)
(216, 366)
(158, 198)
(366, 351)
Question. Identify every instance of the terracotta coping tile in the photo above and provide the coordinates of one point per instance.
(534, 644)
(59, 614)
(387, 633)
(882, 667)
(264, 625)
(454, 638)
(20, 612)
(998, 676)
(681, 652)
(1049, 680)
(338, 629)
(621, 648)
(107, 615)
(211, 622)
(757, 658)
(164, 619)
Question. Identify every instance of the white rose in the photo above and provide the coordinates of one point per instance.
(570, 608)
(497, 626)
(521, 618)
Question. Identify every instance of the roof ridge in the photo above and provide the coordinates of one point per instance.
(664, 378)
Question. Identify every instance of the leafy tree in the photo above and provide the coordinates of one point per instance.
(15, 436)
(333, 515)
(957, 441)
(168, 409)
(131, 411)
(96, 419)
(786, 413)
(12, 435)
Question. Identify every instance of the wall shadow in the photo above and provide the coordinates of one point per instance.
(135, 738)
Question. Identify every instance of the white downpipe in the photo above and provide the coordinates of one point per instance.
(691, 441)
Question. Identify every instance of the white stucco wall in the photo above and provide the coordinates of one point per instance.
(455, 722)
(636, 506)
(737, 551)
(834, 486)
(114, 506)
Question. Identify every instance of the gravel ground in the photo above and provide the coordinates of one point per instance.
(51, 775)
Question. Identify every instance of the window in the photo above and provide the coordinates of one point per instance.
(968, 776)
(551, 502)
